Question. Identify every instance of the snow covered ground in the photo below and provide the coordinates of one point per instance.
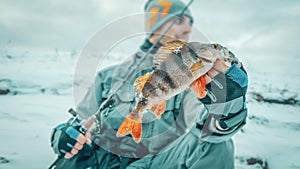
(40, 87)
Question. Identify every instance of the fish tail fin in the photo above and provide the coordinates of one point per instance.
(198, 87)
(131, 125)
(159, 108)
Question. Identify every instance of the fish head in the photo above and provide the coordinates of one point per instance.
(203, 56)
(208, 52)
(222, 52)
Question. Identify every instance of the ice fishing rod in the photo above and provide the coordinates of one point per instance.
(97, 115)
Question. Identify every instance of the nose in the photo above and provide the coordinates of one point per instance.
(184, 29)
(187, 26)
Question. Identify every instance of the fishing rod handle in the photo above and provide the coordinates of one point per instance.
(87, 124)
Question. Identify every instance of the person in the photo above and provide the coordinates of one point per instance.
(194, 131)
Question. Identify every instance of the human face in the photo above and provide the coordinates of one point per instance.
(179, 31)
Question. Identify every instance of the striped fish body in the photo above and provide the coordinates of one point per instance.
(178, 65)
(170, 78)
(177, 70)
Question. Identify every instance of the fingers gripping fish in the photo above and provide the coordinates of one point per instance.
(178, 64)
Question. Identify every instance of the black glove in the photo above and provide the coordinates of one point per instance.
(66, 140)
(225, 99)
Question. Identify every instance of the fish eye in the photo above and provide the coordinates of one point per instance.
(216, 46)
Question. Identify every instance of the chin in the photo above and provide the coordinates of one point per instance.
(183, 38)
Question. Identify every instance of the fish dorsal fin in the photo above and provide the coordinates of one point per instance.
(140, 82)
(166, 50)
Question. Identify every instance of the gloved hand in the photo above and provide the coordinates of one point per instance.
(222, 90)
(67, 140)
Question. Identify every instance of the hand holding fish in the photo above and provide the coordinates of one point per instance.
(199, 85)
(229, 87)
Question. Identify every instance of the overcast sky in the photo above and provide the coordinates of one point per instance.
(261, 29)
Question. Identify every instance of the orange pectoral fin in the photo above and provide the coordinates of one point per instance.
(198, 87)
(159, 108)
(131, 125)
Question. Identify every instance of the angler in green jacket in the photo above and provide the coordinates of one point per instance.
(193, 132)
